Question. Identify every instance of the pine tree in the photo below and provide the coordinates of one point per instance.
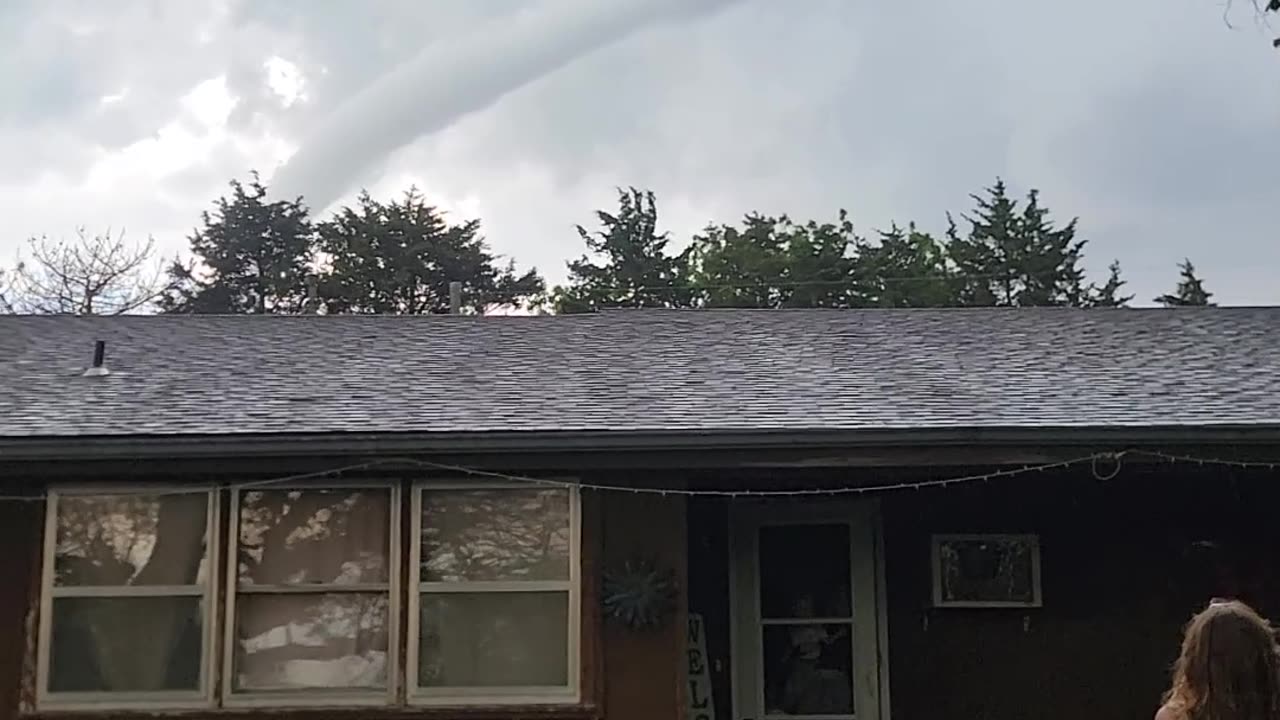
(906, 268)
(774, 262)
(1108, 294)
(251, 255)
(1190, 290)
(400, 258)
(634, 269)
(1016, 258)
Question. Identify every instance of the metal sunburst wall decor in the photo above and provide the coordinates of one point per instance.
(639, 595)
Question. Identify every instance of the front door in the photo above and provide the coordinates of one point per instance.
(806, 611)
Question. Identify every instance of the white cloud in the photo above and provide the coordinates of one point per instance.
(285, 79)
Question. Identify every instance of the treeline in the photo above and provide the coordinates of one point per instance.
(254, 254)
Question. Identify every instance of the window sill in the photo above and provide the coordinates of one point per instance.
(469, 712)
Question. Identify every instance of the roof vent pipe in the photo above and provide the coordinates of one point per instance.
(311, 306)
(98, 369)
(455, 298)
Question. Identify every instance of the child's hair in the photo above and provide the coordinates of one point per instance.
(1229, 668)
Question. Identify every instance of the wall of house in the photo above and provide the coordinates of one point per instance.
(19, 536)
(1125, 562)
(629, 675)
(643, 670)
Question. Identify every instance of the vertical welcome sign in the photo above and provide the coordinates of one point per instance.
(701, 702)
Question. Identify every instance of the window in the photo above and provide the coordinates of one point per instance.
(303, 588)
(311, 607)
(125, 615)
(494, 614)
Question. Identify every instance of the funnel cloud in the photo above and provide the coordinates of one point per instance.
(455, 77)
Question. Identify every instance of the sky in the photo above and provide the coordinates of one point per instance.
(1155, 122)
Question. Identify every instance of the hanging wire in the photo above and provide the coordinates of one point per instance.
(1093, 460)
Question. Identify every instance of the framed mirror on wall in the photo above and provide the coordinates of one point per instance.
(986, 571)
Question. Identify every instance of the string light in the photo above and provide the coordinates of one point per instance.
(1186, 459)
(1093, 460)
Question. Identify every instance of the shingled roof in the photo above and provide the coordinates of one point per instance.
(636, 371)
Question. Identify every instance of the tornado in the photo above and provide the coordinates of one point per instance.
(457, 76)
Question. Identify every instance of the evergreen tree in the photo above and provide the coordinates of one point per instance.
(1020, 258)
(251, 255)
(774, 262)
(906, 268)
(1190, 290)
(627, 264)
(1108, 294)
(821, 264)
(400, 258)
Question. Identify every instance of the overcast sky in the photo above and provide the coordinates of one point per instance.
(1152, 120)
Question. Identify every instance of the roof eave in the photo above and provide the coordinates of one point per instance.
(90, 448)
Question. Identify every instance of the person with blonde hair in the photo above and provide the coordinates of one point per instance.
(1229, 667)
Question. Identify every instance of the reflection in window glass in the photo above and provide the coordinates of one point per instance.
(149, 551)
(501, 639)
(291, 537)
(313, 597)
(495, 535)
(129, 644)
(808, 669)
(798, 583)
(115, 540)
(311, 641)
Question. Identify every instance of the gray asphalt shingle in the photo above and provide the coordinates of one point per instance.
(642, 370)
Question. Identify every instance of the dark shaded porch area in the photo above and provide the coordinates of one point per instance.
(1125, 561)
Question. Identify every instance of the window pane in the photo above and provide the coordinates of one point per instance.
(314, 536)
(796, 582)
(494, 640)
(485, 535)
(311, 641)
(131, 539)
(808, 670)
(125, 644)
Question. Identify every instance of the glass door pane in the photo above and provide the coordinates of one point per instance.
(805, 606)
(806, 623)
(804, 572)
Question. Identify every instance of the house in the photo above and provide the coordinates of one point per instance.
(917, 514)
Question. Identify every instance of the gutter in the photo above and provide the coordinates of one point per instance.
(136, 447)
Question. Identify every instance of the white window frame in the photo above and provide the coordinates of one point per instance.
(314, 697)
(869, 614)
(201, 698)
(507, 696)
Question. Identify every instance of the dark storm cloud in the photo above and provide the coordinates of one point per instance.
(1150, 120)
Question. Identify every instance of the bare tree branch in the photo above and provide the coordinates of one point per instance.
(100, 274)
(1260, 10)
(6, 305)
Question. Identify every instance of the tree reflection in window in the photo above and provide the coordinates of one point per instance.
(130, 574)
(494, 535)
(313, 591)
(496, 588)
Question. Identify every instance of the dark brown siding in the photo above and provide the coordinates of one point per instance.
(19, 536)
(644, 678)
(1125, 563)
(643, 672)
